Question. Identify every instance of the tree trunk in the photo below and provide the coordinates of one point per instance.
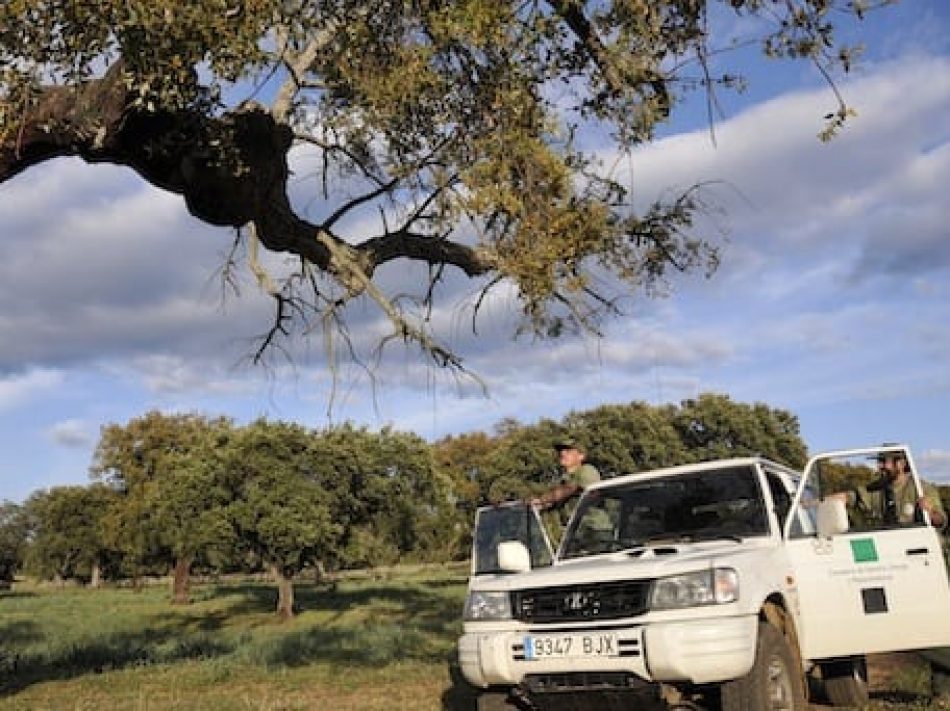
(285, 593)
(319, 572)
(95, 580)
(181, 581)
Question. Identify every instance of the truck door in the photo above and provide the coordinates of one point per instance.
(513, 521)
(877, 586)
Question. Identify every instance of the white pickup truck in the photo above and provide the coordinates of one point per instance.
(714, 585)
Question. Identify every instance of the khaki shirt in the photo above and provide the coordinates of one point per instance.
(583, 476)
(905, 497)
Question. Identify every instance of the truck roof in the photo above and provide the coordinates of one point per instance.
(696, 467)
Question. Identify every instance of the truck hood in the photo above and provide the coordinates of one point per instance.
(638, 563)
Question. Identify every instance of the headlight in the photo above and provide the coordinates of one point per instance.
(704, 587)
(481, 605)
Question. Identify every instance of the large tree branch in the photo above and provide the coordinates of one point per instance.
(231, 170)
(425, 248)
(65, 121)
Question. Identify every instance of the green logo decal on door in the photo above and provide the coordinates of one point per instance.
(863, 550)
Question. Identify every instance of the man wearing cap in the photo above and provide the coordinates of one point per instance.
(576, 476)
(893, 498)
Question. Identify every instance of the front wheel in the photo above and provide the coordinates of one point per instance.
(845, 681)
(773, 684)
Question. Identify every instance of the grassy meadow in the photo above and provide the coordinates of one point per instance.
(376, 641)
(373, 642)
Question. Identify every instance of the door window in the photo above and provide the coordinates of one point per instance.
(516, 521)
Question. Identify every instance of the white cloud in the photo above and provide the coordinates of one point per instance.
(935, 465)
(122, 273)
(17, 389)
(787, 192)
(165, 374)
(72, 433)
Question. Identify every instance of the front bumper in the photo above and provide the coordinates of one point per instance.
(697, 651)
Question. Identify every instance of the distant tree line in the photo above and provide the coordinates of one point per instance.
(184, 493)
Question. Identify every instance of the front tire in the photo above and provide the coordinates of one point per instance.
(773, 684)
(845, 681)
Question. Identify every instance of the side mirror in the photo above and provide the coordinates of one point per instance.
(832, 518)
(513, 557)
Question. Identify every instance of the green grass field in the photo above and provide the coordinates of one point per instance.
(380, 641)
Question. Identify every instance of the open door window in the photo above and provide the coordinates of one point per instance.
(514, 521)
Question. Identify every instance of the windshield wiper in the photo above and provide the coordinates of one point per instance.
(690, 537)
(710, 536)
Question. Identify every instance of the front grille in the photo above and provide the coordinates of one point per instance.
(590, 691)
(598, 601)
(582, 681)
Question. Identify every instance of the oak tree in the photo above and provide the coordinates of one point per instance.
(713, 426)
(455, 134)
(67, 541)
(278, 511)
(630, 437)
(15, 533)
(167, 470)
(388, 498)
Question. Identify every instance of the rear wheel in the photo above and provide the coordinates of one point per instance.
(845, 681)
(773, 684)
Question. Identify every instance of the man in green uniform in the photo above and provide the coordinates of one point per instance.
(893, 498)
(576, 476)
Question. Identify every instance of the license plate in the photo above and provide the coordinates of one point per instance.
(551, 646)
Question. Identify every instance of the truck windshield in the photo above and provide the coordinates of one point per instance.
(508, 522)
(701, 505)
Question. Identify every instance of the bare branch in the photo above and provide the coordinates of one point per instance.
(483, 294)
(329, 148)
(357, 201)
(349, 271)
(263, 278)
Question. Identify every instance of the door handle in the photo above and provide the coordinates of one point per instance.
(917, 551)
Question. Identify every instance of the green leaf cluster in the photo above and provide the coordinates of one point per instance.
(166, 472)
(187, 489)
(68, 540)
(278, 509)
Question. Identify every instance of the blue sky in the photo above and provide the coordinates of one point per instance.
(832, 301)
